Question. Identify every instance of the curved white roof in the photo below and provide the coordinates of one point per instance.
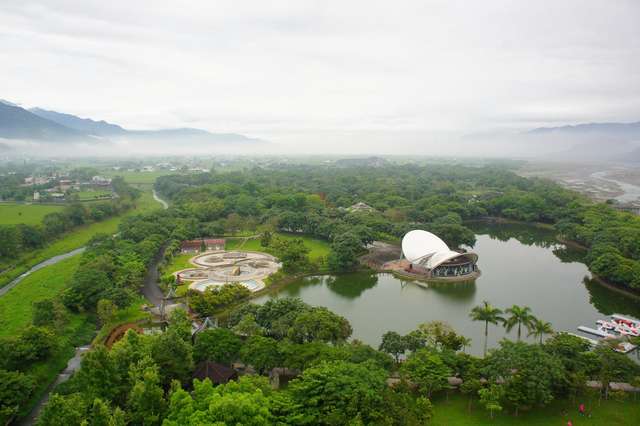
(427, 249)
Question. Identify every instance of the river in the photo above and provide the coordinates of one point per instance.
(520, 265)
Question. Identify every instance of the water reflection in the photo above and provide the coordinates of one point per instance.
(353, 285)
(520, 265)
(526, 234)
(608, 301)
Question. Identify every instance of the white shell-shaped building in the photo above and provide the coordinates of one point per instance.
(426, 251)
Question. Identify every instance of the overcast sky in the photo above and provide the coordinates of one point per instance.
(326, 74)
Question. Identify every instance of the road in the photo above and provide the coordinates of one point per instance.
(51, 261)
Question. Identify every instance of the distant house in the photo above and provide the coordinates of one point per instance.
(195, 246)
(65, 185)
(360, 207)
(100, 181)
(218, 374)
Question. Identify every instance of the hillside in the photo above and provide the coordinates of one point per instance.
(18, 123)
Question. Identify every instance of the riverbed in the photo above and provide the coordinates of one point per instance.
(520, 264)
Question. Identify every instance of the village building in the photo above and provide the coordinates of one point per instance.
(361, 207)
(202, 244)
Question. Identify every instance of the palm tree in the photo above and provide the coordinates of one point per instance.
(465, 341)
(519, 316)
(488, 314)
(539, 328)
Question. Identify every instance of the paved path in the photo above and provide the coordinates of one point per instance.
(52, 261)
(151, 291)
(156, 197)
(72, 366)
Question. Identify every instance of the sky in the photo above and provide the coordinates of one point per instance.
(327, 76)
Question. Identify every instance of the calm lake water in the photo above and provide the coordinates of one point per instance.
(520, 265)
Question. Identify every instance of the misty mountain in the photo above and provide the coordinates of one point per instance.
(591, 141)
(630, 130)
(84, 125)
(38, 124)
(190, 134)
(18, 123)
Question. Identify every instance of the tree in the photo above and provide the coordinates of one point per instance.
(401, 408)
(33, 344)
(266, 238)
(49, 313)
(520, 316)
(528, 372)
(181, 324)
(491, 397)
(106, 310)
(393, 344)
(260, 352)
(346, 391)
(246, 402)
(487, 314)
(248, 326)
(319, 323)
(426, 369)
(146, 400)
(539, 328)
(218, 345)
(98, 377)
(173, 356)
(15, 390)
(63, 410)
(344, 252)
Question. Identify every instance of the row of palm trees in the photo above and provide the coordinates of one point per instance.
(519, 316)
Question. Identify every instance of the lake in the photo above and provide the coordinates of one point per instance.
(520, 264)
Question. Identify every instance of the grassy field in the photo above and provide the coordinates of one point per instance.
(609, 413)
(317, 248)
(93, 195)
(16, 307)
(77, 238)
(30, 214)
(138, 177)
(178, 263)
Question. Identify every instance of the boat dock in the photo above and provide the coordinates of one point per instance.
(617, 329)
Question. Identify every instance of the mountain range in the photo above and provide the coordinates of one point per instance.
(40, 125)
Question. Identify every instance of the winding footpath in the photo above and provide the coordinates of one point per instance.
(156, 197)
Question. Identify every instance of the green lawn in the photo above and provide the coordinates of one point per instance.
(138, 177)
(178, 263)
(30, 214)
(77, 238)
(16, 309)
(16, 306)
(317, 248)
(609, 413)
(93, 195)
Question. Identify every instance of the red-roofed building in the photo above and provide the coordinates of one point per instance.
(208, 244)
